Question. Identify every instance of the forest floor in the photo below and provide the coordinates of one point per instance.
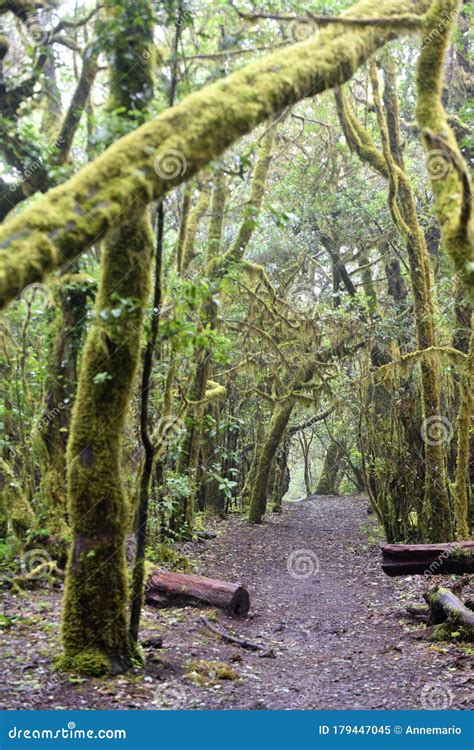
(337, 639)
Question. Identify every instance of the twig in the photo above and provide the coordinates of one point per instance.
(232, 638)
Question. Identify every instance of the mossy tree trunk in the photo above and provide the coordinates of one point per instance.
(95, 626)
(71, 293)
(95, 632)
(278, 424)
(436, 518)
(328, 483)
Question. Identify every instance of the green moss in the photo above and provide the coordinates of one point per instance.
(168, 557)
(91, 662)
(14, 505)
(207, 673)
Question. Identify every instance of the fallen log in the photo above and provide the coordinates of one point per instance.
(167, 589)
(449, 614)
(427, 559)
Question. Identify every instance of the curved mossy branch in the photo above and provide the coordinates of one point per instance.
(67, 220)
(254, 203)
(453, 202)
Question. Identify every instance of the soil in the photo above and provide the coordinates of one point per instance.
(333, 630)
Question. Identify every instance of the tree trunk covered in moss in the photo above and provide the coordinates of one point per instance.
(280, 485)
(436, 511)
(328, 483)
(278, 424)
(55, 229)
(71, 293)
(95, 632)
(250, 476)
(188, 462)
(453, 201)
(95, 628)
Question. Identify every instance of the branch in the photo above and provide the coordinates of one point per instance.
(148, 163)
(312, 420)
(453, 192)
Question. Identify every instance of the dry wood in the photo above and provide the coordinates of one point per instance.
(228, 638)
(168, 589)
(427, 559)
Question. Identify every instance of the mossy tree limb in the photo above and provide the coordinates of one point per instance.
(453, 202)
(60, 225)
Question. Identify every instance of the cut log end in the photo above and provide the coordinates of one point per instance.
(240, 602)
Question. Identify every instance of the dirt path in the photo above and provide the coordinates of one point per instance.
(339, 635)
